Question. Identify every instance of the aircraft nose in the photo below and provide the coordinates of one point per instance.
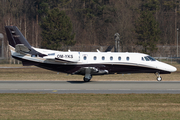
(167, 67)
(171, 68)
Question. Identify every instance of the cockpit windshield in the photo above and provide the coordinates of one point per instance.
(146, 58)
(149, 58)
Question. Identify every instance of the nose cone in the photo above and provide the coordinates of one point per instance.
(171, 68)
(166, 67)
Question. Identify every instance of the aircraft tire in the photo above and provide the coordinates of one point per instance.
(159, 79)
(86, 79)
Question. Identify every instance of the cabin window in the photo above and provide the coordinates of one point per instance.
(103, 58)
(127, 58)
(111, 58)
(95, 58)
(119, 58)
(142, 59)
(85, 58)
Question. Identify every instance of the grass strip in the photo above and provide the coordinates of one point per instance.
(90, 106)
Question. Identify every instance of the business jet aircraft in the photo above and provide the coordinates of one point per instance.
(87, 64)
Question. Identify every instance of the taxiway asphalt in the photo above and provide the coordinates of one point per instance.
(97, 87)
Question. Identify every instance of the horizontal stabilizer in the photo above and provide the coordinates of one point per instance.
(21, 48)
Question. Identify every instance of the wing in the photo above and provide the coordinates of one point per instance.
(93, 71)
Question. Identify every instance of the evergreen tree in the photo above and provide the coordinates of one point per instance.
(151, 5)
(148, 31)
(57, 30)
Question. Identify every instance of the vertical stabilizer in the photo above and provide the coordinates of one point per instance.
(17, 40)
(16, 37)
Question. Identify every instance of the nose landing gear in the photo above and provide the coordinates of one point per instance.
(159, 78)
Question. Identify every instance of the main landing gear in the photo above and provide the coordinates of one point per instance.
(88, 75)
(87, 79)
(159, 78)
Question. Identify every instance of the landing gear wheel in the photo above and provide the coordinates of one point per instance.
(86, 79)
(159, 79)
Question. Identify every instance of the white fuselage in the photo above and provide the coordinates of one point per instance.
(114, 58)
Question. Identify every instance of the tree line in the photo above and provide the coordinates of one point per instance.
(147, 23)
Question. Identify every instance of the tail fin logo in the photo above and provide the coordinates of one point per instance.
(16, 36)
